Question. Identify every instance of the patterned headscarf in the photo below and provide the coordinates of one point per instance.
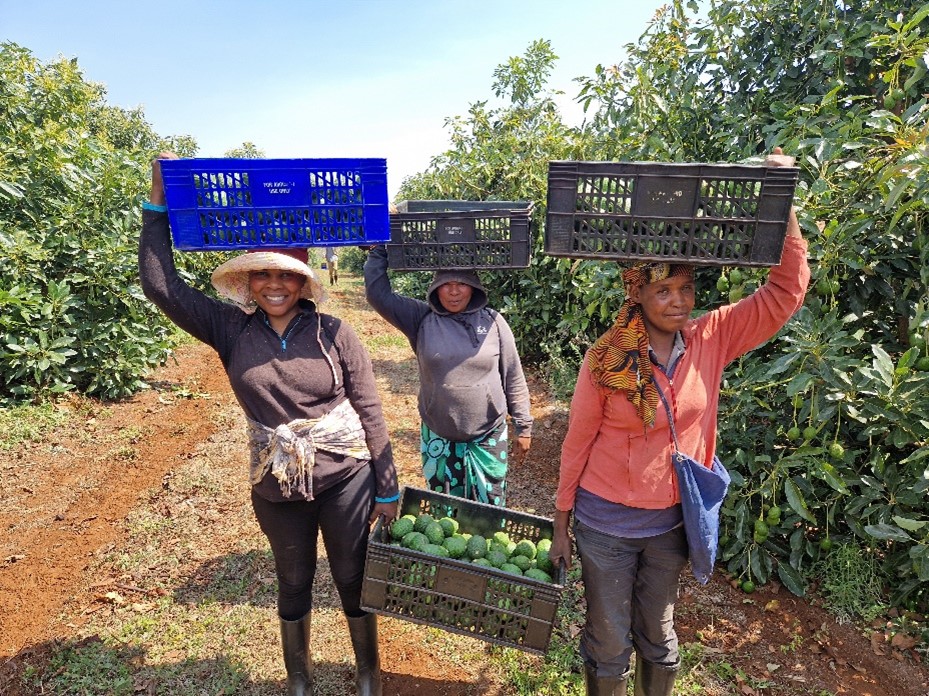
(619, 359)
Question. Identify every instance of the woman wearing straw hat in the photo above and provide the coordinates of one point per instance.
(320, 454)
(650, 382)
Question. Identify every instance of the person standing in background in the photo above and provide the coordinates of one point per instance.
(470, 380)
(332, 263)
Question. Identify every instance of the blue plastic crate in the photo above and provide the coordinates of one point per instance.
(215, 204)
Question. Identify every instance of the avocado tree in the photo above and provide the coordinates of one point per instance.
(501, 152)
(248, 150)
(848, 99)
(73, 171)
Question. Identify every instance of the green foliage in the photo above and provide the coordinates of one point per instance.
(248, 150)
(501, 153)
(352, 259)
(845, 369)
(27, 422)
(72, 174)
(559, 671)
(91, 666)
(851, 584)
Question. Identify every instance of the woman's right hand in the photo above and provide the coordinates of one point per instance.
(157, 195)
(777, 158)
(386, 510)
(560, 551)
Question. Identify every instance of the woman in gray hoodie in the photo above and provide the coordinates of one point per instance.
(470, 378)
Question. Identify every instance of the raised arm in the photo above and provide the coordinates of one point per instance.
(198, 314)
(405, 313)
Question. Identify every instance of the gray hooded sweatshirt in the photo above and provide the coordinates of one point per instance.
(470, 374)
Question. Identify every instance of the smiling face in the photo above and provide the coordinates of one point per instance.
(277, 293)
(455, 297)
(666, 305)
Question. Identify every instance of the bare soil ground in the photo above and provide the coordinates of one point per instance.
(67, 496)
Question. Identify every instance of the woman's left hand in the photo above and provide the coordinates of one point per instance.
(778, 159)
(157, 195)
(386, 510)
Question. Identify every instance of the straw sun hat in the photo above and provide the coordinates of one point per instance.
(231, 278)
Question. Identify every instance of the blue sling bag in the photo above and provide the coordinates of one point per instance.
(702, 492)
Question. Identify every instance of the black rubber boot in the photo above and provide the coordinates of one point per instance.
(654, 680)
(363, 631)
(295, 639)
(604, 686)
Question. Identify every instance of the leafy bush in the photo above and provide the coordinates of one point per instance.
(850, 583)
(846, 370)
(72, 315)
(352, 259)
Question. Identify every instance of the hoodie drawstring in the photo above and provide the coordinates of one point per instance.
(467, 322)
(319, 340)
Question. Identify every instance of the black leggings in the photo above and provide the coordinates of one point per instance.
(342, 513)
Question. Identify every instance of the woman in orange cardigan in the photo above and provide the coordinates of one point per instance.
(616, 471)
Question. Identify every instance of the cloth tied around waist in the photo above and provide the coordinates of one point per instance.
(289, 450)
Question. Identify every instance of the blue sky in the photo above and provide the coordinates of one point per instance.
(356, 78)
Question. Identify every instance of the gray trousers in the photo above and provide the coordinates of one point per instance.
(631, 586)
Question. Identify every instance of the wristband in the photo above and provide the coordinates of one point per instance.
(391, 499)
(146, 205)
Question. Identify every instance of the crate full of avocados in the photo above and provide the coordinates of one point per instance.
(432, 235)
(466, 567)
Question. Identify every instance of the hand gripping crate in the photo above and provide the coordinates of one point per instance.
(432, 235)
(458, 596)
(703, 214)
(222, 204)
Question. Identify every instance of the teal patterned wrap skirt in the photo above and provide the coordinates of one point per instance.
(474, 470)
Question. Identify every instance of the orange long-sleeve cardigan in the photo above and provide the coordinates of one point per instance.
(609, 452)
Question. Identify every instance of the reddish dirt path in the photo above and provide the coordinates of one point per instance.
(56, 517)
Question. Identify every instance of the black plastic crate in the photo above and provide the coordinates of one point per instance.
(703, 214)
(477, 601)
(220, 204)
(432, 235)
